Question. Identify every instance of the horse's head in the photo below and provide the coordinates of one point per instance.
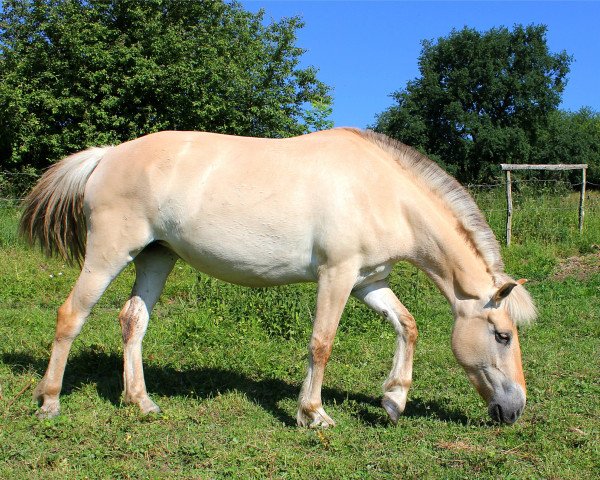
(486, 343)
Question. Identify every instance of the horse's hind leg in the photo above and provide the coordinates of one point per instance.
(153, 266)
(95, 276)
(395, 389)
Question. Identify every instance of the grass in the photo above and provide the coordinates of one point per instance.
(225, 364)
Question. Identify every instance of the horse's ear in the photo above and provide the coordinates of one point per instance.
(504, 291)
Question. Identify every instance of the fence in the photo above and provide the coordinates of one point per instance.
(545, 210)
(507, 168)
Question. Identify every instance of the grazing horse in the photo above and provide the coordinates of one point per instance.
(337, 207)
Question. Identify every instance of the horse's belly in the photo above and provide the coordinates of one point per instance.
(252, 261)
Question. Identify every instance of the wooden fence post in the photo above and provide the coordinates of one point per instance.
(509, 207)
(582, 199)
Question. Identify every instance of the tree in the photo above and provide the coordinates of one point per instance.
(74, 73)
(481, 99)
(572, 137)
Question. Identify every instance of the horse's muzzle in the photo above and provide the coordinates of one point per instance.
(507, 405)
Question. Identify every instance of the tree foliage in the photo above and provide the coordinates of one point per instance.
(79, 72)
(482, 99)
(572, 137)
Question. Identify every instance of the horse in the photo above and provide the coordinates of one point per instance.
(338, 207)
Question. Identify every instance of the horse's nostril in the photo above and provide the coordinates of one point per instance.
(496, 412)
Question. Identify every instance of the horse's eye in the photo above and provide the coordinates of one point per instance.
(503, 338)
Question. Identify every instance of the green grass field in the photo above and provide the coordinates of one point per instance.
(226, 363)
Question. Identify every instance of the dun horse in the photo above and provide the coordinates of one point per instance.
(337, 207)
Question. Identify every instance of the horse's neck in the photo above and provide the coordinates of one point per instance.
(452, 264)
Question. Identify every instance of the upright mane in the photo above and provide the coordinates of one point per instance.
(452, 193)
(472, 223)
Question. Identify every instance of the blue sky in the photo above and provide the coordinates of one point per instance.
(366, 50)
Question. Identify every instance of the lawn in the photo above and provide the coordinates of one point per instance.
(225, 364)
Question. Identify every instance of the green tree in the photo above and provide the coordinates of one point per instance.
(572, 137)
(481, 99)
(79, 72)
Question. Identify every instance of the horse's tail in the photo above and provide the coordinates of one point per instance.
(53, 210)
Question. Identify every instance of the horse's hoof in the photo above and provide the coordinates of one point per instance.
(149, 407)
(314, 419)
(49, 409)
(146, 405)
(393, 407)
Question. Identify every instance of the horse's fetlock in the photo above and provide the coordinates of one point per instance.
(309, 407)
(44, 392)
(395, 385)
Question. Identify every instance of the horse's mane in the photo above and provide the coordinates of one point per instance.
(472, 224)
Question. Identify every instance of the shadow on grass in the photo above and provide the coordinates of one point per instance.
(105, 370)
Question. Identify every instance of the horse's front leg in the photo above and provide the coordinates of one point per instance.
(334, 287)
(381, 299)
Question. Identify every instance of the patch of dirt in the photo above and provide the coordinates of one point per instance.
(459, 445)
(579, 267)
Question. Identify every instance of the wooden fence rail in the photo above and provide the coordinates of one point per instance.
(508, 167)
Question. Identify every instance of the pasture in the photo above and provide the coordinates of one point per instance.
(225, 364)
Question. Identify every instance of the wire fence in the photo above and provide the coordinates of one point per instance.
(30, 178)
(545, 210)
